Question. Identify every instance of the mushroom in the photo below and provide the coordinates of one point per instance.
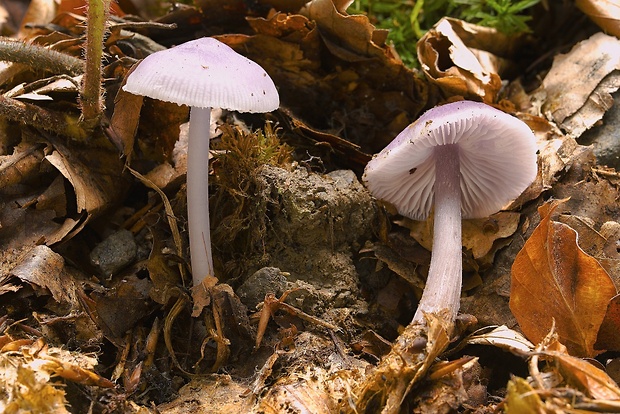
(467, 160)
(202, 73)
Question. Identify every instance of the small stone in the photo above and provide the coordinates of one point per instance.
(114, 253)
(260, 283)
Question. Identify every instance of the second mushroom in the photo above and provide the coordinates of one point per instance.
(462, 160)
(202, 73)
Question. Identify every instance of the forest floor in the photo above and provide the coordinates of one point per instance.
(315, 280)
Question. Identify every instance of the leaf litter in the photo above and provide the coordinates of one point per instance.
(97, 314)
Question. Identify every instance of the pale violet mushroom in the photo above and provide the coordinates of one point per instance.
(461, 160)
(202, 74)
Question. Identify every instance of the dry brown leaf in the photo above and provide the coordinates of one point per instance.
(201, 295)
(22, 165)
(124, 121)
(605, 13)
(553, 279)
(584, 376)
(96, 176)
(44, 268)
(29, 218)
(350, 37)
(25, 391)
(166, 278)
(40, 12)
(609, 333)
(579, 85)
(368, 96)
(121, 307)
(449, 63)
(27, 376)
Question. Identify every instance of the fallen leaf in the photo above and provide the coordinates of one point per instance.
(121, 307)
(39, 12)
(503, 338)
(595, 62)
(553, 279)
(448, 62)
(96, 175)
(605, 13)
(294, 51)
(585, 376)
(124, 122)
(44, 268)
(609, 333)
(350, 37)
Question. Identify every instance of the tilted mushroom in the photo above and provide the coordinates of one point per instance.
(467, 160)
(202, 73)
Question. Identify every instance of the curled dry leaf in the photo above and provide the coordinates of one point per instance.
(579, 85)
(295, 50)
(577, 372)
(28, 370)
(605, 13)
(601, 243)
(501, 337)
(553, 279)
(478, 236)
(350, 37)
(585, 376)
(449, 62)
(124, 121)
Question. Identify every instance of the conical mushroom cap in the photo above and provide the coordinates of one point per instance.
(204, 73)
(497, 155)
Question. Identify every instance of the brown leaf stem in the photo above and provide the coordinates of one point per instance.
(92, 95)
(39, 57)
(35, 116)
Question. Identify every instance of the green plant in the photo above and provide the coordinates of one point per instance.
(504, 15)
(409, 20)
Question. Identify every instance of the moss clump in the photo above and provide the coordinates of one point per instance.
(240, 205)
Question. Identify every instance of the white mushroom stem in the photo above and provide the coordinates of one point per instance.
(198, 194)
(442, 293)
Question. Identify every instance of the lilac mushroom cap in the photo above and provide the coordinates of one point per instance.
(497, 154)
(202, 73)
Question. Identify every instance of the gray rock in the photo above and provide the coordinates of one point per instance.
(260, 283)
(114, 253)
